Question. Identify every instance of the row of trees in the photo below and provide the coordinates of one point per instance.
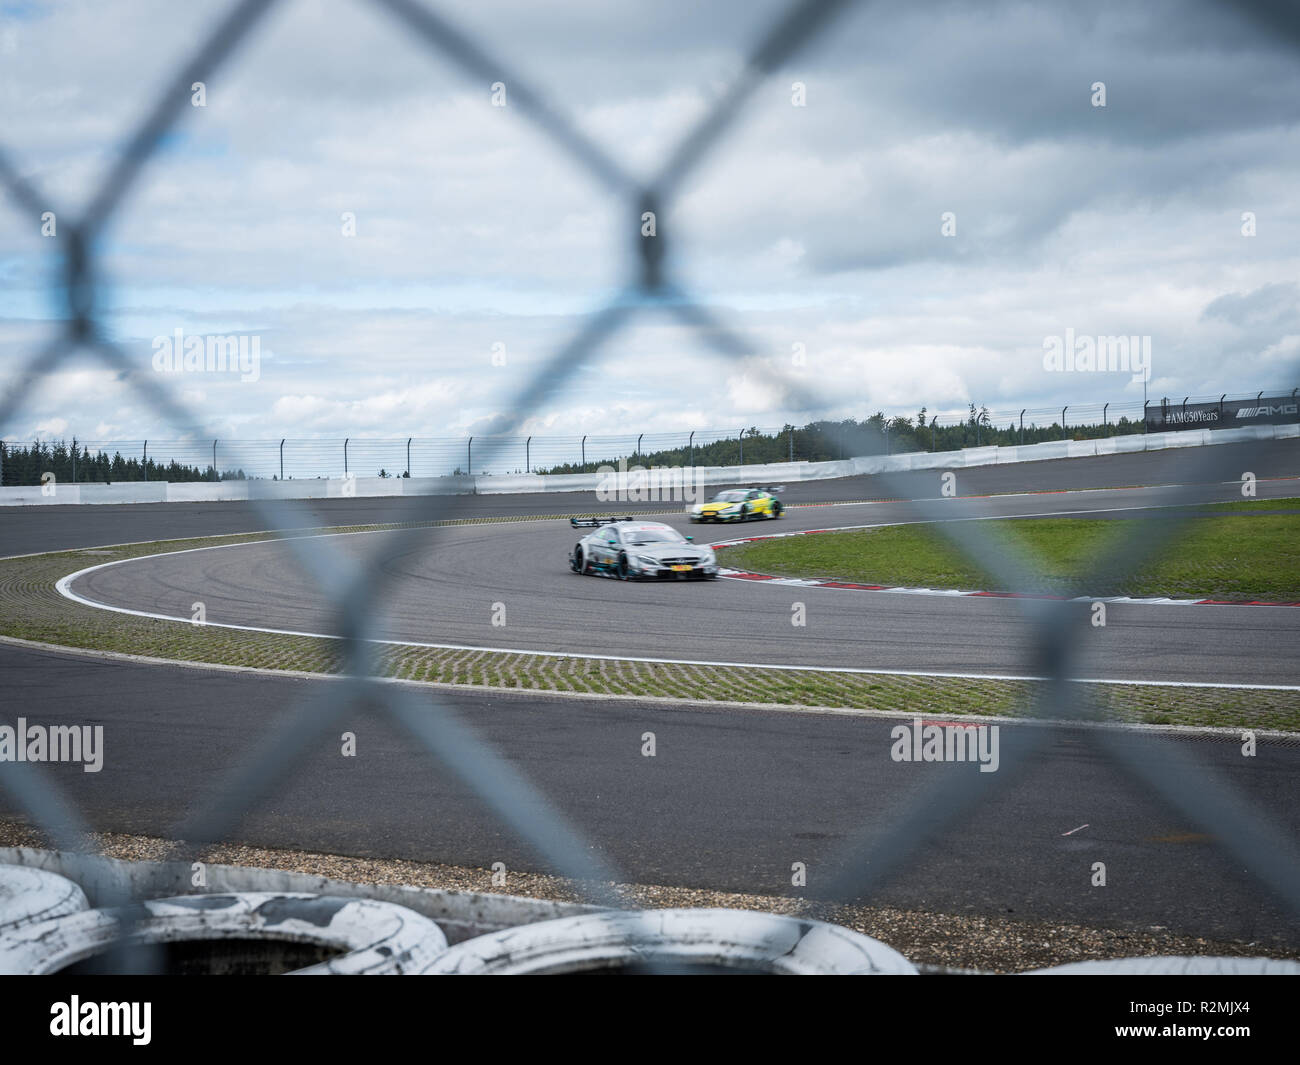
(815, 442)
(72, 462)
(824, 440)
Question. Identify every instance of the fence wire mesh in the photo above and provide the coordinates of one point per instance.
(357, 591)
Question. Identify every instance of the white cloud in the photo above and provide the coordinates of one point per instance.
(815, 225)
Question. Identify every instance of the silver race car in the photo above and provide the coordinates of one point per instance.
(629, 548)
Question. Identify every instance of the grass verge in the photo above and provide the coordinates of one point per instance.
(1238, 552)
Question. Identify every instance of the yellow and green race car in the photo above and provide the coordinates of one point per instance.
(738, 504)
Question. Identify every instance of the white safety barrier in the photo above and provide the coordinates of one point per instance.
(675, 940)
(366, 937)
(507, 484)
(460, 914)
(30, 896)
(498, 933)
(1173, 966)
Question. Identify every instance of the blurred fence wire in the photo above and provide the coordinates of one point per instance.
(357, 592)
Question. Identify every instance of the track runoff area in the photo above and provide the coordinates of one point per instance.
(740, 786)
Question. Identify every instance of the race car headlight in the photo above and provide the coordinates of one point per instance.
(647, 563)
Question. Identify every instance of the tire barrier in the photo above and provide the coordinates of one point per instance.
(319, 926)
(685, 940)
(240, 933)
(1174, 966)
(32, 896)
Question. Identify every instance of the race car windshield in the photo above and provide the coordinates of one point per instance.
(729, 497)
(652, 536)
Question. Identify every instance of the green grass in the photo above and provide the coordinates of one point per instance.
(1233, 552)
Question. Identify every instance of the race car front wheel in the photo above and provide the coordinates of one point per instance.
(579, 562)
(622, 567)
(776, 510)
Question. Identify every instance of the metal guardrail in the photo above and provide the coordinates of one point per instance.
(367, 456)
(358, 593)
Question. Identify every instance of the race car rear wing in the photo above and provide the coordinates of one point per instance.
(595, 523)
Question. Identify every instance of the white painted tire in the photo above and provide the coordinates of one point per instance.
(373, 938)
(1172, 966)
(30, 896)
(672, 940)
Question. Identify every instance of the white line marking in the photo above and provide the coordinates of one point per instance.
(1074, 830)
(968, 720)
(64, 587)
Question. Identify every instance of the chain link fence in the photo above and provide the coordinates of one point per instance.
(358, 593)
(287, 459)
(23, 462)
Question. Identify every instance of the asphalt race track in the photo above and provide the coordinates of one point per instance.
(734, 796)
(442, 589)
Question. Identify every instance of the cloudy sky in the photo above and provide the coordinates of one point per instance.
(814, 229)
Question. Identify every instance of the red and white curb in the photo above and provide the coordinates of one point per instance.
(815, 582)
